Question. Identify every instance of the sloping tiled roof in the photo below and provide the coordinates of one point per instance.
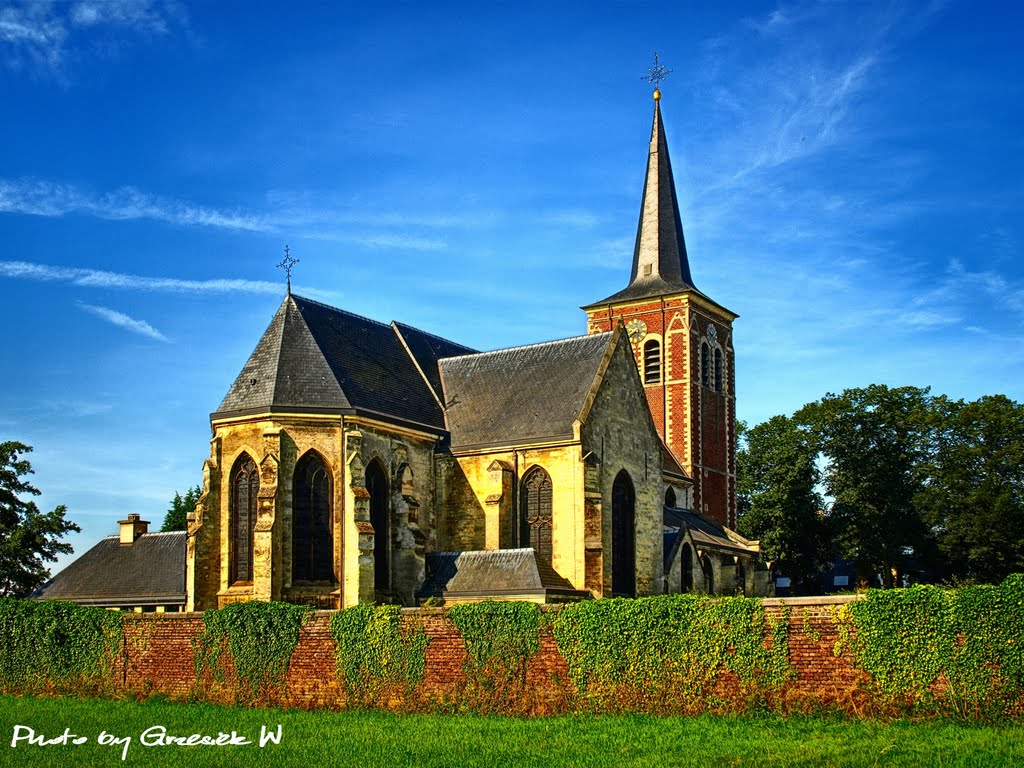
(520, 394)
(492, 572)
(426, 350)
(315, 357)
(150, 571)
(707, 533)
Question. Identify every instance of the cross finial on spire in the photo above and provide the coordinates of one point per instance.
(655, 75)
(286, 264)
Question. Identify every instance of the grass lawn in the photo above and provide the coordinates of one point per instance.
(312, 739)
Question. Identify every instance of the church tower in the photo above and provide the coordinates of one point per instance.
(682, 342)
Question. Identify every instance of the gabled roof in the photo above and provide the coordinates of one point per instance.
(661, 266)
(150, 571)
(706, 533)
(317, 358)
(494, 573)
(522, 394)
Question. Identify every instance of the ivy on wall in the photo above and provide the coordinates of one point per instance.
(931, 647)
(374, 651)
(51, 644)
(499, 638)
(260, 637)
(674, 644)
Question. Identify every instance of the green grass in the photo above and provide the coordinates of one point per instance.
(312, 739)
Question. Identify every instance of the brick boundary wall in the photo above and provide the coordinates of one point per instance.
(159, 659)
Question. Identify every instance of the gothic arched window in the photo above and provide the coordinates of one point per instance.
(245, 488)
(705, 364)
(312, 526)
(652, 361)
(686, 565)
(623, 536)
(718, 369)
(535, 513)
(377, 486)
(670, 498)
(709, 574)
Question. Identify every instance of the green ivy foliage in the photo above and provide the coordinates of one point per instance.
(375, 653)
(499, 637)
(261, 637)
(53, 644)
(929, 646)
(677, 643)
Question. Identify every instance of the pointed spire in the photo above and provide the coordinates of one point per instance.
(660, 249)
(660, 263)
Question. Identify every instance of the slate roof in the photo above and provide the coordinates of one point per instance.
(317, 358)
(660, 245)
(150, 571)
(520, 394)
(493, 573)
(707, 533)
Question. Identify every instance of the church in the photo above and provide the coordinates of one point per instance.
(358, 461)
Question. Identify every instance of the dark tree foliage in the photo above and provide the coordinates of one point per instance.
(778, 498)
(27, 536)
(176, 518)
(974, 494)
(876, 441)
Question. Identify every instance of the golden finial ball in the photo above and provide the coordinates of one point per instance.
(657, 95)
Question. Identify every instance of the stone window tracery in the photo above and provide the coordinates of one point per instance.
(535, 513)
(312, 521)
(245, 487)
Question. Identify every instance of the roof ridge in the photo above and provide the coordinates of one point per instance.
(530, 346)
(340, 311)
(432, 335)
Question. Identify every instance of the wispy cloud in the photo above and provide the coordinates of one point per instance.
(37, 34)
(121, 320)
(43, 198)
(97, 278)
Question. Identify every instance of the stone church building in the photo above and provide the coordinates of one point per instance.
(356, 461)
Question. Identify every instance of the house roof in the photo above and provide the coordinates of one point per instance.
(522, 394)
(318, 358)
(150, 571)
(492, 573)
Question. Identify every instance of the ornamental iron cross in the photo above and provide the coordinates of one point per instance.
(286, 264)
(657, 73)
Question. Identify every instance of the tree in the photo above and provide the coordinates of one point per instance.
(876, 441)
(974, 494)
(27, 536)
(176, 518)
(777, 481)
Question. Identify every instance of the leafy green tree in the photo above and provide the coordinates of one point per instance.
(974, 493)
(27, 536)
(778, 498)
(176, 518)
(876, 441)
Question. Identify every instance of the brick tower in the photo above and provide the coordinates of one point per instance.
(682, 341)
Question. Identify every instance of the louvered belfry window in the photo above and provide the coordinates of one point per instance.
(245, 487)
(312, 528)
(652, 361)
(535, 504)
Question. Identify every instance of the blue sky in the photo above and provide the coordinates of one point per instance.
(850, 177)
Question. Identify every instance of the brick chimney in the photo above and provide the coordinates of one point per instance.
(132, 528)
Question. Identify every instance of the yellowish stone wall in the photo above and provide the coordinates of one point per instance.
(276, 444)
(617, 435)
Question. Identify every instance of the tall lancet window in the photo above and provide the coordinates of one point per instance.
(652, 361)
(705, 364)
(535, 513)
(312, 528)
(718, 369)
(245, 488)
